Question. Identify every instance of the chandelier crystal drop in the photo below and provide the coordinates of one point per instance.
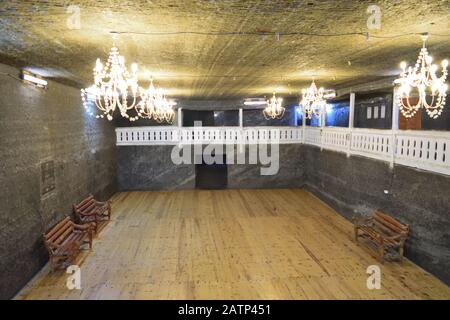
(274, 109)
(114, 88)
(313, 101)
(419, 87)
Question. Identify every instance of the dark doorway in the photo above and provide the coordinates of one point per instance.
(212, 176)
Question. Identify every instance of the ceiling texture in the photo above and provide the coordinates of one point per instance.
(223, 49)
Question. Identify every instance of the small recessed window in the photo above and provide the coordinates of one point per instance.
(383, 112)
(369, 112)
(376, 112)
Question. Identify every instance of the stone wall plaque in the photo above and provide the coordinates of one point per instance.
(47, 177)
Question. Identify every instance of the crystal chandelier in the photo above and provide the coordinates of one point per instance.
(154, 105)
(422, 82)
(114, 87)
(163, 111)
(147, 106)
(274, 109)
(313, 101)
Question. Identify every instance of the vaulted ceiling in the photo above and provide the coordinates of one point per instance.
(223, 48)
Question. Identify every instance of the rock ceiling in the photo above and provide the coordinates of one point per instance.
(224, 48)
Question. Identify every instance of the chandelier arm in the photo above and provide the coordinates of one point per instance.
(429, 106)
(133, 104)
(282, 113)
(410, 107)
(98, 102)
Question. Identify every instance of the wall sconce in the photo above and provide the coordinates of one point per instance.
(34, 79)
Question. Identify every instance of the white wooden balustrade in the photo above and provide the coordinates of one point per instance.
(206, 135)
(427, 150)
(372, 143)
(424, 150)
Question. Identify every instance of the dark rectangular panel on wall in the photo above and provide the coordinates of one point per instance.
(47, 177)
(373, 111)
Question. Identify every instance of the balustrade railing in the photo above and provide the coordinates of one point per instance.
(427, 150)
(206, 135)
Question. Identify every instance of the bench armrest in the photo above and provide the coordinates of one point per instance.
(361, 220)
(401, 237)
(102, 203)
(87, 214)
(83, 227)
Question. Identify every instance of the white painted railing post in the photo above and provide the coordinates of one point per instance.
(395, 110)
(394, 127)
(351, 122)
(179, 133)
(241, 126)
(180, 117)
(241, 118)
(324, 116)
(303, 124)
(351, 116)
(322, 124)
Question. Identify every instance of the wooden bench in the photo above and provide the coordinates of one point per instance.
(383, 233)
(64, 240)
(92, 211)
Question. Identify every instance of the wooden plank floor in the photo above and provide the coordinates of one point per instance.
(230, 244)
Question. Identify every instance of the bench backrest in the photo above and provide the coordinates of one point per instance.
(85, 206)
(388, 224)
(57, 234)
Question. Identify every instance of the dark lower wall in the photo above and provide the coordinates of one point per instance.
(290, 173)
(151, 168)
(421, 199)
(44, 126)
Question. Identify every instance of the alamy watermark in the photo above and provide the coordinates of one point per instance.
(374, 279)
(73, 21)
(74, 280)
(248, 148)
(374, 20)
